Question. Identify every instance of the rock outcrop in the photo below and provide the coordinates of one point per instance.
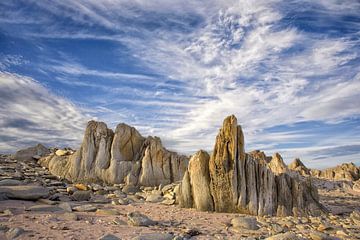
(277, 164)
(28, 154)
(345, 171)
(299, 167)
(237, 182)
(123, 156)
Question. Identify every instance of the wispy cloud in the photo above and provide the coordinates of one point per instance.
(270, 63)
(31, 114)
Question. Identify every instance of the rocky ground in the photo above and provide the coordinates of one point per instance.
(37, 205)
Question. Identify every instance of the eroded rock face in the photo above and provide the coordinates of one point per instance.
(238, 182)
(123, 156)
(277, 164)
(345, 171)
(299, 167)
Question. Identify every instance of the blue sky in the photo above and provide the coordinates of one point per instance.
(289, 71)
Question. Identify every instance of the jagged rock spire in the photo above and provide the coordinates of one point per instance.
(240, 183)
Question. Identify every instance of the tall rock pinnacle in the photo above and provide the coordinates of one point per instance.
(240, 183)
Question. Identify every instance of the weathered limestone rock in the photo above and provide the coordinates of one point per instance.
(195, 185)
(24, 192)
(299, 167)
(277, 164)
(121, 157)
(345, 171)
(28, 153)
(240, 183)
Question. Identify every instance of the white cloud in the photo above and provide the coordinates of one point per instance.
(30, 114)
(238, 59)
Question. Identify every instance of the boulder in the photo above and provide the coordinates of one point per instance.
(123, 156)
(196, 184)
(28, 153)
(240, 183)
(138, 219)
(24, 192)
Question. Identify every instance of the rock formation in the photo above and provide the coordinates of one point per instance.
(233, 181)
(277, 164)
(31, 153)
(260, 156)
(121, 157)
(345, 171)
(299, 167)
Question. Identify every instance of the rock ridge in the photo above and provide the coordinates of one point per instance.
(123, 156)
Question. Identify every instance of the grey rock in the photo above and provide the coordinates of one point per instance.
(283, 236)
(13, 233)
(109, 237)
(45, 208)
(249, 223)
(24, 192)
(155, 236)
(65, 206)
(85, 208)
(154, 198)
(138, 219)
(28, 153)
(81, 196)
(10, 182)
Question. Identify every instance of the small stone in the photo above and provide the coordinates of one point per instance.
(81, 196)
(118, 221)
(69, 217)
(62, 152)
(283, 236)
(46, 201)
(245, 222)
(138, 219)
(315, 235)
(168, 202)
(154, 198)
(155, 236)
(130, 189)
(109, 237)
(81, 187)
(108, 212)
(36, 157)
(66, 206)
(13, 233)
(45, 208)
(85, 208)
(71, 190)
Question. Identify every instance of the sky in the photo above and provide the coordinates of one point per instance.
(288, 70)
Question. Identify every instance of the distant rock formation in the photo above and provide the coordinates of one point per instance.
(30, 153)
(121, 157)
(299, 167)
(233, 181)
(345, 171)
